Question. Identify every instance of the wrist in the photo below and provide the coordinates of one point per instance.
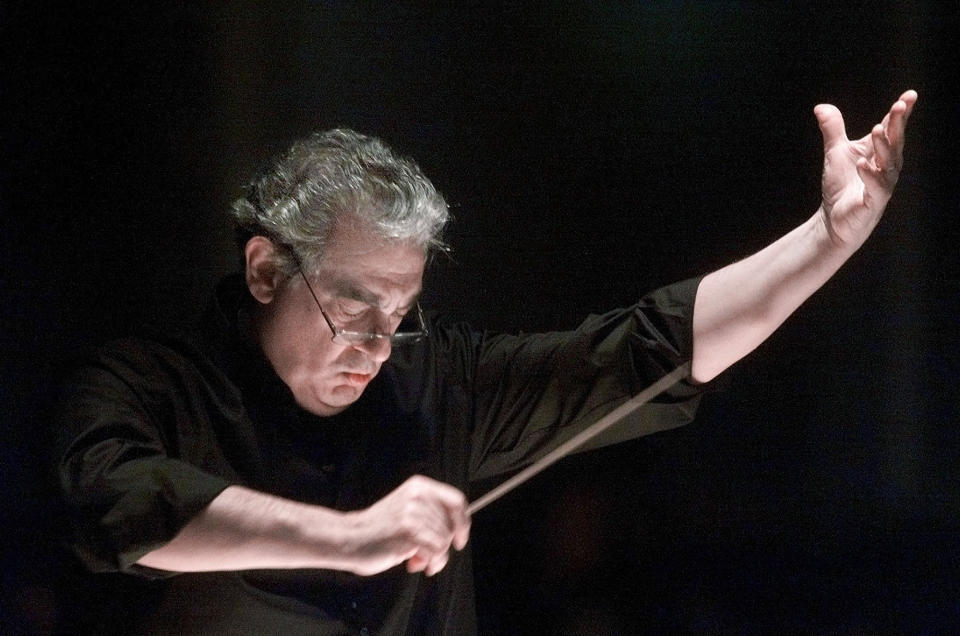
(327, 536)
(826, 239)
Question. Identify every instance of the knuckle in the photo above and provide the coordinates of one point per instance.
(416, 485)
(417, 480)
(407, 527)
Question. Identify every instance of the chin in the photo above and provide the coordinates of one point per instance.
(331, 402)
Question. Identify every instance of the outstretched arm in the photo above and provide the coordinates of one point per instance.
(739, 306)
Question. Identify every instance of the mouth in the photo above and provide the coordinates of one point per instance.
(357, 379)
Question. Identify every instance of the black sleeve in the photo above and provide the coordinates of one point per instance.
(532, 393)
(127, 472)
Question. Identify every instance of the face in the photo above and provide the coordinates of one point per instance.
(364, 285)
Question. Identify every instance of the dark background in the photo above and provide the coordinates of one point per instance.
(590, 151)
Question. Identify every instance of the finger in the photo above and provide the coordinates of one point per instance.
(454, 505)
(461, 531)
(459, 525)
(444, 513)
(885, 158)
(451, 524)
(909, 98)
(429, 566)
(896, 121)
(417, 563)
(831, 124)
(431, 535)
(428, 562)
(875, 181)
(457, 519)
(445, 493)
(437, 563)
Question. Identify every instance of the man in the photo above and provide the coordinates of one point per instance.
(272, 471)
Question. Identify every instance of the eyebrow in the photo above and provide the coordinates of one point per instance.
(351, 290)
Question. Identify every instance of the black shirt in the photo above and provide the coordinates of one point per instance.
(152, 429)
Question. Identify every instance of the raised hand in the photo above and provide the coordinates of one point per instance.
(417, 523)
(859, 175)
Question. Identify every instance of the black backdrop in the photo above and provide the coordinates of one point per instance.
(590, 151)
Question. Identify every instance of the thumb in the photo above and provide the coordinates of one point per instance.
(831, 124)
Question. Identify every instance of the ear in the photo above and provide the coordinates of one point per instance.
(263, 277)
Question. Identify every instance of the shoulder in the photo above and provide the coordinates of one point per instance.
(144, 365)
(143, 353)
(674, 297)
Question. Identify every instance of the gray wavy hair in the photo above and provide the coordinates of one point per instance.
(339, 176)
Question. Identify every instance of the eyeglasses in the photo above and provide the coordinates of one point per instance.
(343, 337)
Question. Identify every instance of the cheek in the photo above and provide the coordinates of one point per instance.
(292, 343)
(318, 357)
(311, 353)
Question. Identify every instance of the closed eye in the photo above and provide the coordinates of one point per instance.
(352, 310)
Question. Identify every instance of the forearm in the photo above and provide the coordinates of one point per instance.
(739, 306)
(243, 529)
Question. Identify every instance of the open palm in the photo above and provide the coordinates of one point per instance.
(859, 175)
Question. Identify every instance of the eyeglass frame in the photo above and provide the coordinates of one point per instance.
(346, 337)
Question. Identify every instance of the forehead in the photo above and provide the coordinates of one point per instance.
(358, 258)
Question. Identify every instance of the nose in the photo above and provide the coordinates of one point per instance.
(377, 349)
